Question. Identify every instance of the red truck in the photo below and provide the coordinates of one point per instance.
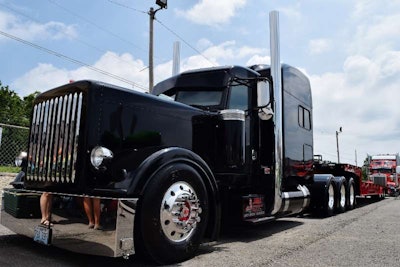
(353, 185)
(384, 170)
(224, 145)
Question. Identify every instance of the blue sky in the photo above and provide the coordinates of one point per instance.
(350, 50)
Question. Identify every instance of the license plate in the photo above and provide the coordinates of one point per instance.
(42, 234)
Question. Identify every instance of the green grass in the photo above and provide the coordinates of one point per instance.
(11, 169)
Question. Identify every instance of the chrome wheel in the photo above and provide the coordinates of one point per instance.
(180, 212)
(331, 197)
(342, 197)
(352, 196)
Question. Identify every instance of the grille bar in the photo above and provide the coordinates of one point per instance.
(53, 142)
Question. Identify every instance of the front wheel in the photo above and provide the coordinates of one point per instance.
(173, 214)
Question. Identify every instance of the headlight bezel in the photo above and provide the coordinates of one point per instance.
(99, 156)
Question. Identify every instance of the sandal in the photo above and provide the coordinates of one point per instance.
(98, 227)
(91, 226)
(46, 223)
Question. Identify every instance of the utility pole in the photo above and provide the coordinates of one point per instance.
(337, 143)
(152, 13)
(355, 152)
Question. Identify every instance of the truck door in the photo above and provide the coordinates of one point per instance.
(239, 99)
(259, 133)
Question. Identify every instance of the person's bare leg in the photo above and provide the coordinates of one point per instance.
(96, 212)
(87, 206)
(48, 207)
(45, 207)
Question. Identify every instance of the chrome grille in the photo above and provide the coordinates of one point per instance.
(53, 142)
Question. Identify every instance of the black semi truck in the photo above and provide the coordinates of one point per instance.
(220, 145)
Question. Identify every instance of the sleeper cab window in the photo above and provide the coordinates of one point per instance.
(304, 118)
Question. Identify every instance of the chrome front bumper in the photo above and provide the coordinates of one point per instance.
(70, 229)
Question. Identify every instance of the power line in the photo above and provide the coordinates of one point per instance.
(20, 13)
(74, 61)
(160, 60)
(174, 33)
(74, 38)
(128, 7)
(169, 29)
(95, 25)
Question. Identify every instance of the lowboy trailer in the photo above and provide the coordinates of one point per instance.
(228, 144)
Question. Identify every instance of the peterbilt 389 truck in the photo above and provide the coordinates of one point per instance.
(384, 169)
(206, 148)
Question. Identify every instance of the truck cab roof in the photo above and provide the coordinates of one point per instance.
(206, 79)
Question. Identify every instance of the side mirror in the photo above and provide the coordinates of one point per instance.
(264, 100)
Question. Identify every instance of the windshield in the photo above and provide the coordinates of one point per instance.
(200, 98)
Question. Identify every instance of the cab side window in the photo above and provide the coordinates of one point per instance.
(238, 98)
(304, 118)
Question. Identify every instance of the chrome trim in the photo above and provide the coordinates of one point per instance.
(286, 196)
(232, 115)
(278, 105)
(53, 142)
(295, 201)
(179, 212)
(307, 194)
(70, 230)
(176, 59)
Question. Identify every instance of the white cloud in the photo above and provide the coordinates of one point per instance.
(319, 46)
(47, 76)
(390, 65)
(43, 77)
(293, 12)
(229, 52)
(365, 8)
(29, 30)
(360, 70)
(377, 30)
(211, 12)
(362, 100)
(204, 43)
(362, 96)
(257, 59)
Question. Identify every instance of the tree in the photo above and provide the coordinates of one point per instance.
(28, 104)
(11, 111)
(365, 167)
(17, 112)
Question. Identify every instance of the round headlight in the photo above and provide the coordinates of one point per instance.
(99, 154)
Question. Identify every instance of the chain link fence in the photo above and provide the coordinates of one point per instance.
(13, 140)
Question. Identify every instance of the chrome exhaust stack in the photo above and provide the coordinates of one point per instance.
(278, 106)
(284, 202)
(176, 59)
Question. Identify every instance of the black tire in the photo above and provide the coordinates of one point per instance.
(351, 195)
(341, 197)
(329, 206)
(174, 198)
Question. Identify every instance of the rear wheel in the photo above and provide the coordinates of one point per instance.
(342, 198)
(351, 199)
(173, 214)
(330, 200)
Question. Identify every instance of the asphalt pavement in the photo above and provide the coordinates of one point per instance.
(366, 236)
